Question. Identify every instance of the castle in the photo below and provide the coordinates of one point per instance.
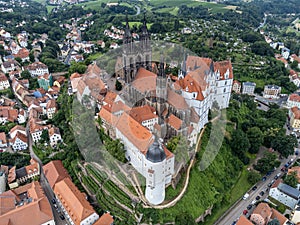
(154, 107)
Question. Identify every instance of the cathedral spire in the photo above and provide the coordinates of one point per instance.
(127, 36)
(162, 72)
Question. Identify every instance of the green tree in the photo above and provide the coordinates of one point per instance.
(118, 85)
(25, 74)
(274, 222)
(253, 177)
(255, 137)
(79, 67)
(19, 60)
(240, 145)
(267, 163)
(44, 136)
(285, 144)
(294, 65)
(291, 179)
(184, 219)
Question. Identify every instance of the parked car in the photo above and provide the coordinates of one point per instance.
(253, 202)
(262, 193)
(53, 201)
(296, 152)
(254, 188)
(55, 206)
(62, 216)
(257, 197)
(264, 179)
(245, 211)
(249, 207)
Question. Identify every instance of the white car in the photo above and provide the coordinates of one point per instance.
(253, 202)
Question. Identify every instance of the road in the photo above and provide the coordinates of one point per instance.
(237, 211)
(44, 183)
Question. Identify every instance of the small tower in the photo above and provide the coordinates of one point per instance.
(155, 179)
(182, 71)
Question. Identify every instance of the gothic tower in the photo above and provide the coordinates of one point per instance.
(128, 54)
(145, 45)
(136, 55)
(161, 88)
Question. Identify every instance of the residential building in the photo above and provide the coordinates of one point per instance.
(248, 88)
(236, 86)
(293, 100)
(9, 66)
(37, 69)
(22, 116)
(55, 172)
(54, 136)
(74, 78)
(243, 221)
(36, 129)
(3, 141)
(23, 54)
(294, 57)
(77, 209)
(26, 205)
(285, 194)
(21, 175)
(294, 115)
(272, 91)
(19, 140)
(8, 114)
(51, 108)
(261, 214)
(45, 81)
(4, 83)
(145, 115)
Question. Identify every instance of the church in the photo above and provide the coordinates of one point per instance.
(154, 106)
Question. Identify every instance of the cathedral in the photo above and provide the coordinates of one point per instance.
(154, 106)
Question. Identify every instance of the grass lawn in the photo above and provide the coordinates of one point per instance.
(49, 8)
(95, 56)
(95, 4)
(173, 5)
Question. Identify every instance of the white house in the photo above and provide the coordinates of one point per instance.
(4, 83)
(51, 108)
(37, 69)
(293, 100)
(272, 91)
(54, 136)
(248, 88)
(19, 142)
(22, 116)
(3, 141)
(285, 194)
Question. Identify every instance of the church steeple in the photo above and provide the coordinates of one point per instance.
(127, 35)
(162, 72)
(182, 71)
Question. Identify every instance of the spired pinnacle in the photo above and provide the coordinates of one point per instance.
(162, 66)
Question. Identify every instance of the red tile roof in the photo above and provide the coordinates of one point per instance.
(55, 172)
(105, 219)
(281, 218)
(73, 200)
(296, 112)
(222, 67)
(107, 116)
(294, 97)
(176, 100)
(143, 113)
(3, 137)
(174, 122)
(137, 134)
(243, 221)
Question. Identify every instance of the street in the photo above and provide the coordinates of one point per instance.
(237, 211)
(45, 185)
